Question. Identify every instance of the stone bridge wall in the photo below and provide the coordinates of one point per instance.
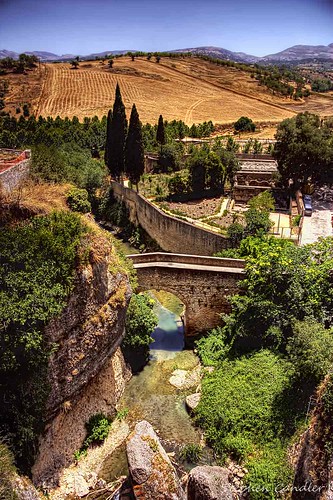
(205, 293)
(198, 260)
(171, 234)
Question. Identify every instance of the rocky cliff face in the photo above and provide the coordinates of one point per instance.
(314, 468)
(87, 372)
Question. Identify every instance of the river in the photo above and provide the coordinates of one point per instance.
(150, 396)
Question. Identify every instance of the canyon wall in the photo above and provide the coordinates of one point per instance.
(87, 372)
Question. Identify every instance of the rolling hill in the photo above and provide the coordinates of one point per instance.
(291, 54)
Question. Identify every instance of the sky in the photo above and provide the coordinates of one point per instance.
(257, 27)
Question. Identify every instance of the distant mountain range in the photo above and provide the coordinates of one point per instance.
(293, 54)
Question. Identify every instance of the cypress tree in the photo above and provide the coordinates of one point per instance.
(118, 131)
(134, 151)
(160, 134)
(108, 135)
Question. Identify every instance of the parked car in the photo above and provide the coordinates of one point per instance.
(307, 200)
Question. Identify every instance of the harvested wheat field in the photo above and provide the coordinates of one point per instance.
(171, 88)
(189, 89)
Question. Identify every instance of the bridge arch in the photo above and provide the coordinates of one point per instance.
(203, 284)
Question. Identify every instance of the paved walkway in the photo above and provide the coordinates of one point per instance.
(319, 224)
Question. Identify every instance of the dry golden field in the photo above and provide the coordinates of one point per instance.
(188, 89)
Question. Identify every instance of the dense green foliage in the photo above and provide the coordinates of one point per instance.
(7, 469)
(214, 347)
(20, 133)
(37, 268)
(310, 348)
(140, 321)
(191, 453)
(275, 346)
(98, 427)
(304, 150)
(238, 411)
(322, 85)
(244, 124)
(68, 163)
(134, 152)
(23, 63)
(77, 200)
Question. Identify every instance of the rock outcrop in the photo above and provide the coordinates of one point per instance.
(314, 462)
(209, 483)
(87, 372)
(192, 401)
(186, 379)
(151, 470)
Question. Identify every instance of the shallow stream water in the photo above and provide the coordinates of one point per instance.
(149, 395)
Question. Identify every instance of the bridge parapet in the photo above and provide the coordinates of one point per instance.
(146, 258)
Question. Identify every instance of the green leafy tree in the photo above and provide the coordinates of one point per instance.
(140, 322)
(310, 349)
(118, 132)
(258, 222)
(244, 124)
(263, 202)
(197, 165)
(304, 150)
(134, 152)
(215, 172)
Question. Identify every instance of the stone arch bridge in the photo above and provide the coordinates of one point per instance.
(202, 283)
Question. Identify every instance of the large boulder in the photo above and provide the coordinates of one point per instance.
(153, 476)
(209, 483)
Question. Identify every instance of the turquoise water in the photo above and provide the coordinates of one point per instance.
(168, 335)
(149, 395)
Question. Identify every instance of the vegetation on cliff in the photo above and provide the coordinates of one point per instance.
(38, 262)
(275, 347)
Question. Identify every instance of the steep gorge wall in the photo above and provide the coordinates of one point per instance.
(314, 467)
(87, 372)
(171, 234)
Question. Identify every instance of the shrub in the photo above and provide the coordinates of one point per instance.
(77, 200)
(212, 348)
(191, 453)
(238, 401)
(310, 349)
(235, 233)
(7, 469)
(140, 321)
(37, 268)
(244, 124)
(258, 222)
(98, 427)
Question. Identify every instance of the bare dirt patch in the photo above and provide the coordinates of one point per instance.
(195, 209)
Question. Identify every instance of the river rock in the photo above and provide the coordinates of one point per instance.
(209, 483)
(192, 401)
(152, 473)
(23, 489)
(185, 379)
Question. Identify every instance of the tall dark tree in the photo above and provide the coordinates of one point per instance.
(108, 135)
(160, 134)
(117, 138)
(134, 151)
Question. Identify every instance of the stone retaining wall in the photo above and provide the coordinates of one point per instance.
(171, 234)
(14, 175)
